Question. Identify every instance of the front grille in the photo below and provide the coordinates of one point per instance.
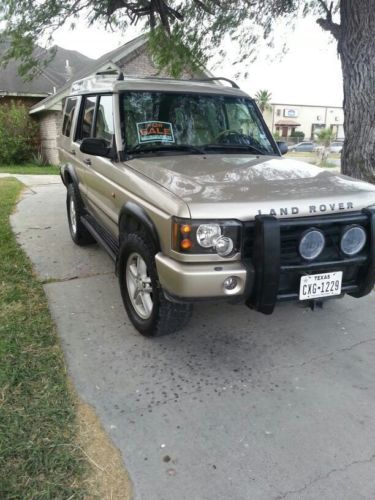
(293, 266)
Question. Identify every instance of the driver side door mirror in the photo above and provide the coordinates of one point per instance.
(95, 147)
(283, 147)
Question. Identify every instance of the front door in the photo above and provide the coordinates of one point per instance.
(101, 191)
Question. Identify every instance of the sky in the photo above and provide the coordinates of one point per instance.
(309, 73)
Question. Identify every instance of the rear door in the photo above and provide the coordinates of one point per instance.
(68, 148)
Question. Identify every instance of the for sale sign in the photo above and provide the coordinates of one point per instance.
(155, 132)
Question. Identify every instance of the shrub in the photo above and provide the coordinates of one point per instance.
(298, 134)
(18, 134)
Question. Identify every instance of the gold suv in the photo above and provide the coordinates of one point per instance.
(186, 189)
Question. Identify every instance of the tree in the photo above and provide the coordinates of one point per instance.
(324, 137)
(186, 32)
(263, 99)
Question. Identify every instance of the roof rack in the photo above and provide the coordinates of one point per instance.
(234, 84)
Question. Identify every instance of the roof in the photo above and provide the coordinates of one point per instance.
(111, 83)
(106, 62)
(287, 122)
(305, 105)
(53, 76)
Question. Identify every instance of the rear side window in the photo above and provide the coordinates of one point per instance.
(104, 127)
(87, 118)
(70, 107)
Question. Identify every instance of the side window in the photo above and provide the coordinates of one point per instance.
(87, 117)
(70, 107)
(104, 128)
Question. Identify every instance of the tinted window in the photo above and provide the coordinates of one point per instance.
(104, 128)
(68, 115)
(87, 117)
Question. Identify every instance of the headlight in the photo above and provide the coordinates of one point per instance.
(201, 237)
(353, 240)
(312, 244)
(207, 234)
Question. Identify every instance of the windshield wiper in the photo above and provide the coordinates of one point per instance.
(234, 147)
(139, 148)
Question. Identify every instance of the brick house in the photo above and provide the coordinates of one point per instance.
(13, 88)
(132, 58)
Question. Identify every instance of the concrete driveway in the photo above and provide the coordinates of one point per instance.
(236, 406)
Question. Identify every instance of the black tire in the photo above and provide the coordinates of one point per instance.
(166, 316)
(80, 235)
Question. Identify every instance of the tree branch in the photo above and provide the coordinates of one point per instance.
(327, 23)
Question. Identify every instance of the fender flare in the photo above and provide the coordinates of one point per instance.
(68, 170)
(134, 211)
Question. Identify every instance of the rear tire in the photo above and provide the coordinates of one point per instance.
(80, 235)
(148, 309)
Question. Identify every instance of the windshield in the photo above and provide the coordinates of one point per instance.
(195, 123)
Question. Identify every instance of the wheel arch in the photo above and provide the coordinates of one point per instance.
(132, 217)
(69, 175)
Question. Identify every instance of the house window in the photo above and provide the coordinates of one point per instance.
(278, 112)
(70, 107)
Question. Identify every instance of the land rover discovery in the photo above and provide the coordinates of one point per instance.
(184, 186)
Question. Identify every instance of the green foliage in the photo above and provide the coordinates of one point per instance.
(176, 57)
(39, 456)
(276, 136)
(298, 134)
(18, 134)
(182, 31)
(263, 99)
(325, 136)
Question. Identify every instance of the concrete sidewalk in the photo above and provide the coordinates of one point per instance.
(236, 406)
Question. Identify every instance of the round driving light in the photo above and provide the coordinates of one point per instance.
(207, 234)
(312, 244)
(230, 283)
(353, 240)
(224, 246)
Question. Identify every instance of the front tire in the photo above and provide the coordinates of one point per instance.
(148, 309)
(74, 207)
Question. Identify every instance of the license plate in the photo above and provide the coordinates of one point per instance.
(314, 286)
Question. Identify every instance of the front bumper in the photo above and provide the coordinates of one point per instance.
(279, 268)
(271, 268)
(202, 281)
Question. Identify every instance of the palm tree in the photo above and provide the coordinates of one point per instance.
(263, 99)
(324, 137)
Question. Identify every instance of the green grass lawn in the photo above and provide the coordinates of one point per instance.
(29, 169)
(39, 457)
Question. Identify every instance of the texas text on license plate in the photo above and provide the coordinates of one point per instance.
(320, 285)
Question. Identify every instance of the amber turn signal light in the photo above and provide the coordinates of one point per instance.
(186, 244)
(185, 229)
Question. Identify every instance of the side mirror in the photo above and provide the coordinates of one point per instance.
(283, 147)
(95, 147)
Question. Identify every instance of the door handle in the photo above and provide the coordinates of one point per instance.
(87, 161)
(72, 152)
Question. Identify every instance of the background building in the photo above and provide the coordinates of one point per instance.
(285, 119)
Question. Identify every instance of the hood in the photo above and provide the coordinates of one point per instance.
(243, 186)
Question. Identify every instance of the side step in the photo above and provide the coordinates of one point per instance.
(102, 236)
